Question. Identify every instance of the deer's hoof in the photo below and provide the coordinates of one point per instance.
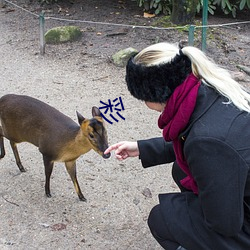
(82, 198)
(48, 195)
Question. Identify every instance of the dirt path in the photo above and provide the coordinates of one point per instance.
(75, 77)
(115, 215)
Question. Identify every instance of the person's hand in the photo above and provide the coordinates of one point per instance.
(124, 149)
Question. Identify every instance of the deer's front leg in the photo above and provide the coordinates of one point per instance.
(71, 168)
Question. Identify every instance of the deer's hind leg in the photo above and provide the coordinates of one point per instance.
(71, 168)
(18, 161)
(48, 164)
(1, 144)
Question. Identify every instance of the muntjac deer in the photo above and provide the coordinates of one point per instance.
(59, 139)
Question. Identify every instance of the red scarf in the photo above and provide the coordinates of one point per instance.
(174, 119)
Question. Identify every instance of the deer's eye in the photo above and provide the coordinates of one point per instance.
(91, 136)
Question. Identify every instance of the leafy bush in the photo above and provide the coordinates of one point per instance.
(244, 3)
(211, 7)
(226, 6)
(165, 6)
(232, 6)
(157, 6)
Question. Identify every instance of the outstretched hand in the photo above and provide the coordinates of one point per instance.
(124, 150)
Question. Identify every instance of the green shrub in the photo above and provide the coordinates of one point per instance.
(165, 6)
(232, 6)
(157, 6)
(211, 7)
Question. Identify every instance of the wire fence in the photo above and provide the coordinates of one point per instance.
(191, 28)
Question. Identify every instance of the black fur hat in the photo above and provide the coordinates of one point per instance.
(156, 83)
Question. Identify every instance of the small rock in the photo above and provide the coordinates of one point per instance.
(121, 58)
(2, 3)
(239, 76)
(63, 34)
(44, 225)
(244, 68)
(147, 193)
(136, 201)
(9, 243)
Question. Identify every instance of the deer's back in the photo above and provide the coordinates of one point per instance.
(24, 118)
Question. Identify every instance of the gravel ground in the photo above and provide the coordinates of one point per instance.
(76, 76)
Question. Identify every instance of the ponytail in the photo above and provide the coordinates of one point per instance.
(218, 78)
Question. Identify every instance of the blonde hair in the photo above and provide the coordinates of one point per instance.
(202, 67)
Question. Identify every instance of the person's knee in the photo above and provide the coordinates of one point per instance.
(159, 230)
(156, 223)
(153, 218)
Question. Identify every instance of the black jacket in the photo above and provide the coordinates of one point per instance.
(216, 145)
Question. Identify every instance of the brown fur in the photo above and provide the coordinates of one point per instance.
(59, 138)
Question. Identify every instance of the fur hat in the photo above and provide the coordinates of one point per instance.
(156, 83)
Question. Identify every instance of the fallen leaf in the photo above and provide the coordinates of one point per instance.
(58, 227)
(147, 15)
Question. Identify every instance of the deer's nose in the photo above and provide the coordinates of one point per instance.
(106, 156)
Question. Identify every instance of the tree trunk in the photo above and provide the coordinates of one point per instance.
(183, 11)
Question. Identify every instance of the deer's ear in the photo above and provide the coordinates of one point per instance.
(96, 111)
(80, 118)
